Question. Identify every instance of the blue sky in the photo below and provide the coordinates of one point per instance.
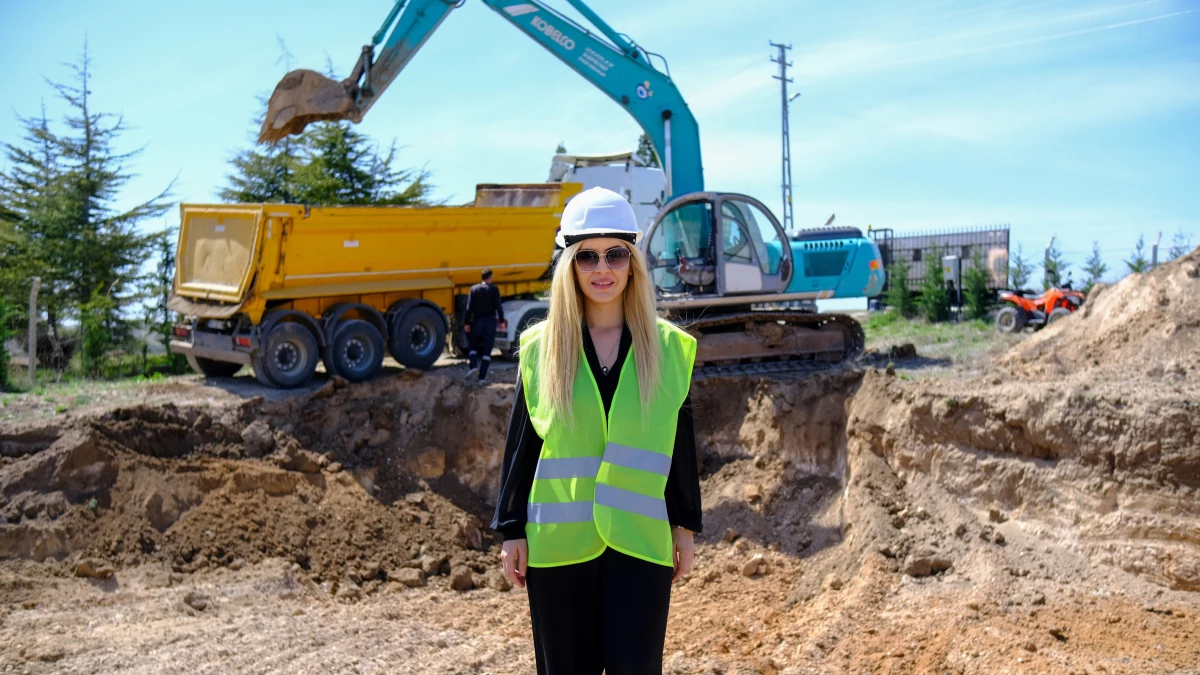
(1065, 117)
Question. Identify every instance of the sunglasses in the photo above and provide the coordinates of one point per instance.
(588, 260)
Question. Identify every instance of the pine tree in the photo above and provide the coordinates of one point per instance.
(5, 334)
(561, 149)
(160, 319)
(899, 297)
(1055, 267)
(1020, 270)
(934, 302)
(97, 319)
(31, 227)
(975, 288)
(264, 174)
(61, 190)
(1138, 263)
(1181, 245)
(329, 164)
(645, 151)
(1094, 267)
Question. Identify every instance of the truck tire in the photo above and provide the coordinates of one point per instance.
(213, 368)
(530, 318)
(1059, 313)
(288, 357)
(1010, 320)
(460, 341)
(419, 338)
(356, 352)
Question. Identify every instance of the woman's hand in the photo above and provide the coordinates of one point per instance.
(515, 554)
(685, 551)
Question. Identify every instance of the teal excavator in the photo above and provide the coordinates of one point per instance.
(722, 264)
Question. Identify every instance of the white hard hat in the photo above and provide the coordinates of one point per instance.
(597, 213)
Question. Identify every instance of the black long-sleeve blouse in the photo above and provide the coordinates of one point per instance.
(524, 446)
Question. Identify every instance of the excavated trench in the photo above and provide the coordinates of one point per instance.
(366, 479)
(383, 472)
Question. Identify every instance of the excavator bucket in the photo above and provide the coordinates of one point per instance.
(303, 97)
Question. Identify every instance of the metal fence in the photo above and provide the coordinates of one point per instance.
(919, 249)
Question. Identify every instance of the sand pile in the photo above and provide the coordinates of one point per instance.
(1144, 326)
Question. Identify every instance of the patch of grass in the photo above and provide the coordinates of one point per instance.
(878, 321)
(50, 398)
(966, 343)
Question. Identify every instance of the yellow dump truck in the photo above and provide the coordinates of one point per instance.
(279, 286)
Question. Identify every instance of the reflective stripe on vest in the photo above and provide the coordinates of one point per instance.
(562, 512)
(567, 467)
(633, 502)
(636, 458)
(600, 481)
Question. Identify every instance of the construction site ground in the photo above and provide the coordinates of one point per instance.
(973, 505)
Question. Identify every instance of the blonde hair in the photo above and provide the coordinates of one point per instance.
(562, 339)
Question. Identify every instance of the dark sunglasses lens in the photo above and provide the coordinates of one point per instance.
(617, 258)
(587, 260)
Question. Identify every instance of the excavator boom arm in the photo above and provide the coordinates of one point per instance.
(623, 72)
(618, 67)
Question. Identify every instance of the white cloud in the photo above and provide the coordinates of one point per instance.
(891, 47)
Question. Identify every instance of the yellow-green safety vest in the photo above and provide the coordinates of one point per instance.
(600, 482)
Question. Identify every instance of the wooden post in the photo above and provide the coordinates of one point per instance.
(33, 320)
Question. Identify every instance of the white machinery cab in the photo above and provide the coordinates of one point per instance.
(717, 244)
(644, 187)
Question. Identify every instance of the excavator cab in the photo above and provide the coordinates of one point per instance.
(717, 244)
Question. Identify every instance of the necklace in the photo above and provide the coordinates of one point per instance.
(612, 354)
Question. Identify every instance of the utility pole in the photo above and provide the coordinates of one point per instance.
(788, 220)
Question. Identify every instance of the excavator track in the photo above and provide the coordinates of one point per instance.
(753, 342)
(795, 367)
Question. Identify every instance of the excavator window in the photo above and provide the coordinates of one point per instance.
(735, 241)
(760, 231)
(690, 227)
(680, 250)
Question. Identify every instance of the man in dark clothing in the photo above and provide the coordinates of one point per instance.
(484, 312)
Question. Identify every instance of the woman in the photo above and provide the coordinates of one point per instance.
(599, 492)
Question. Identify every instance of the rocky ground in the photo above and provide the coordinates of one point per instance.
(1039, 512)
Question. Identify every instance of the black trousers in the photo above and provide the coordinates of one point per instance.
(607, 614)
(482, 338)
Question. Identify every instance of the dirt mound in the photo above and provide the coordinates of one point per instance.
(1144, 326)
(179, 486)
(1115, 480)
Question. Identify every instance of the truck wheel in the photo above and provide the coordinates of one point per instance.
(288, 357)
(356, 352)
(460, 340)
(1010, 320)
(531, 317)
(1057, 314)
(213, 368)
(419, 338)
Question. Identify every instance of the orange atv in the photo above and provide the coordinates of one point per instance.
(1042, 310)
